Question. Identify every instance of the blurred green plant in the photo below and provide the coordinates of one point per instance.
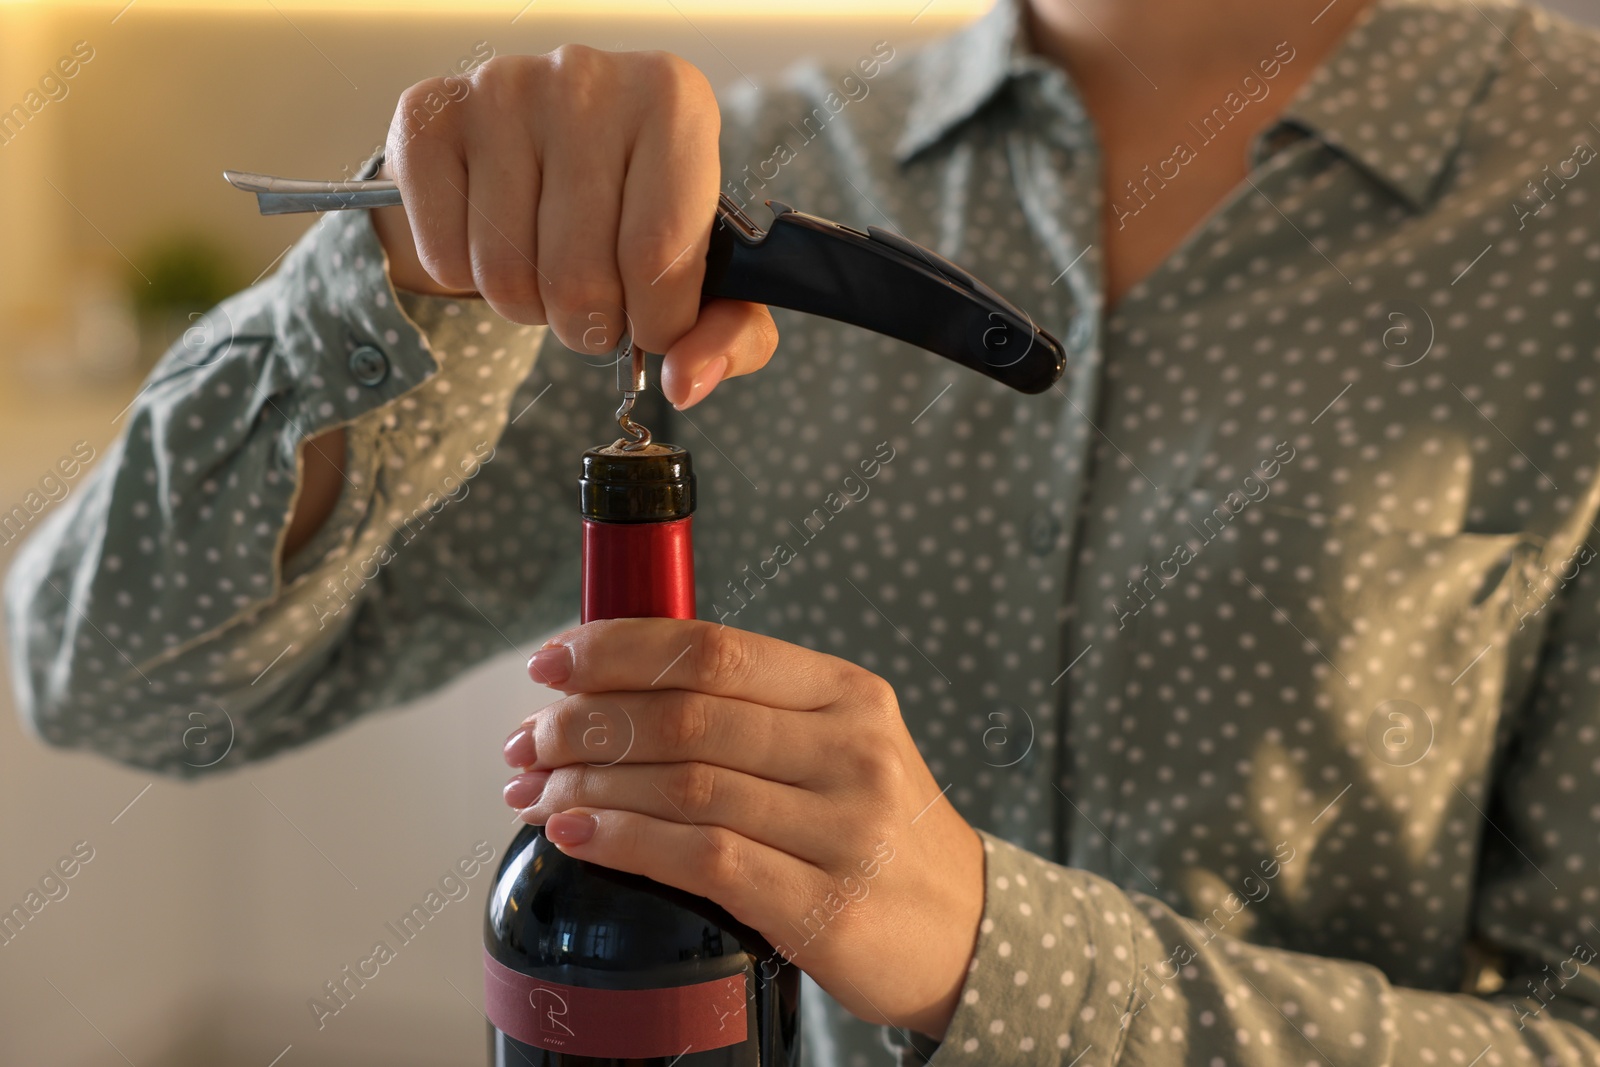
(184, 274)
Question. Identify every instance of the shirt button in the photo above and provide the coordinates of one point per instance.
(369, 366)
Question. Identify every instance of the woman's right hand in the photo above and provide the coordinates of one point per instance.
(564, 188)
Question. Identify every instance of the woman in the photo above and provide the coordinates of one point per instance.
(1234, 702)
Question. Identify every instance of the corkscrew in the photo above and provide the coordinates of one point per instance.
(874, 278)
(631, 382)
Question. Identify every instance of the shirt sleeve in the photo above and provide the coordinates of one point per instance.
(1070, 969)
(150, 619)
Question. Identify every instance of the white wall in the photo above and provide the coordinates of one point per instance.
(208, 917)
(1582, 10)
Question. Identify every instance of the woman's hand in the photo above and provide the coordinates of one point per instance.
(779, 782)
(565, 188)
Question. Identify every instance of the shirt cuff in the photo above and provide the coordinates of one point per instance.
(1051, 975)
(348, 345)
(395, 453)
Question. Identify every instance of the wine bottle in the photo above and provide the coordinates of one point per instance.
(588, 966)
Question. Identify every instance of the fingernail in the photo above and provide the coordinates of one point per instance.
(704, 382)
(525, 789)
(551, 666)
(519, 750)
(570, 829)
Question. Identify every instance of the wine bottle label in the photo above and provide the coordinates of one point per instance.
(616, 1023)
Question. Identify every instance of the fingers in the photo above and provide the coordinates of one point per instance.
(668, 201)
(758, 885)
(615, 655)
(730, 338)
(400, 251)
(566, 187)
(584, 147)
(694, 794)
(427, 160)
(502, 195)
(606, 729)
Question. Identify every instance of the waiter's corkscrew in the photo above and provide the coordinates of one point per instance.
(874, 278)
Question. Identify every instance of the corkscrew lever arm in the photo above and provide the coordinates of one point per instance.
(874, 278)
(880, 281)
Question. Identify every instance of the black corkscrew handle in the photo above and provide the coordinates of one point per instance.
(880, 281)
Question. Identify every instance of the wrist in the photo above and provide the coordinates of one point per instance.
(966, 911)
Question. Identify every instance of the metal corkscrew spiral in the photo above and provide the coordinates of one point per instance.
(630, 379)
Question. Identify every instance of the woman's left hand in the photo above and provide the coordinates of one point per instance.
(779, 782)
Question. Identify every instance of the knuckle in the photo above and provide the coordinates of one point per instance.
(653, 258)
(877, 769)
(583, 734)
(687, 722)
(546, 727)
(872, 699)
(584, 308)
(444, 260)
(599, 734)
(663, 68)
(696, 788)
(564, 735)
(423, 111)
(499, 72)
(564, 788)
(414, 95)
(720, 860)
(504, 280)
(766, 335)
(721, 656)
(574, 56)
(580, 71)
(878, 694)
(676, 83)
(579, 292)
(410, 95)
(500, 82)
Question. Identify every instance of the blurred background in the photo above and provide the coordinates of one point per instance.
(212, 913)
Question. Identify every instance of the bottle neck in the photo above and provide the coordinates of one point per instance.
(638, 570)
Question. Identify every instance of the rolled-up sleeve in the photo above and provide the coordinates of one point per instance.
(152, 614)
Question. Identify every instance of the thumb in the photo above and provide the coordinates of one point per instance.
(729, 338)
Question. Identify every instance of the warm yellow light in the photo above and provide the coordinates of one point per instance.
(920, 11)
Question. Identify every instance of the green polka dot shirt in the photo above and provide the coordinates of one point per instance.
(1264, 651)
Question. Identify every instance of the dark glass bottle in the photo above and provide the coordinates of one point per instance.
(587, 966)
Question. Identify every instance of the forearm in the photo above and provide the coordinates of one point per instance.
(322, 458)
(203, 565)
(321, 484)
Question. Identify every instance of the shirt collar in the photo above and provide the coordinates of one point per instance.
(1394, 95)
(1403, 133)
(956, 75)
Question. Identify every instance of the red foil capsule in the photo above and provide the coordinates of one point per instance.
(638, 553)
(639, 570)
